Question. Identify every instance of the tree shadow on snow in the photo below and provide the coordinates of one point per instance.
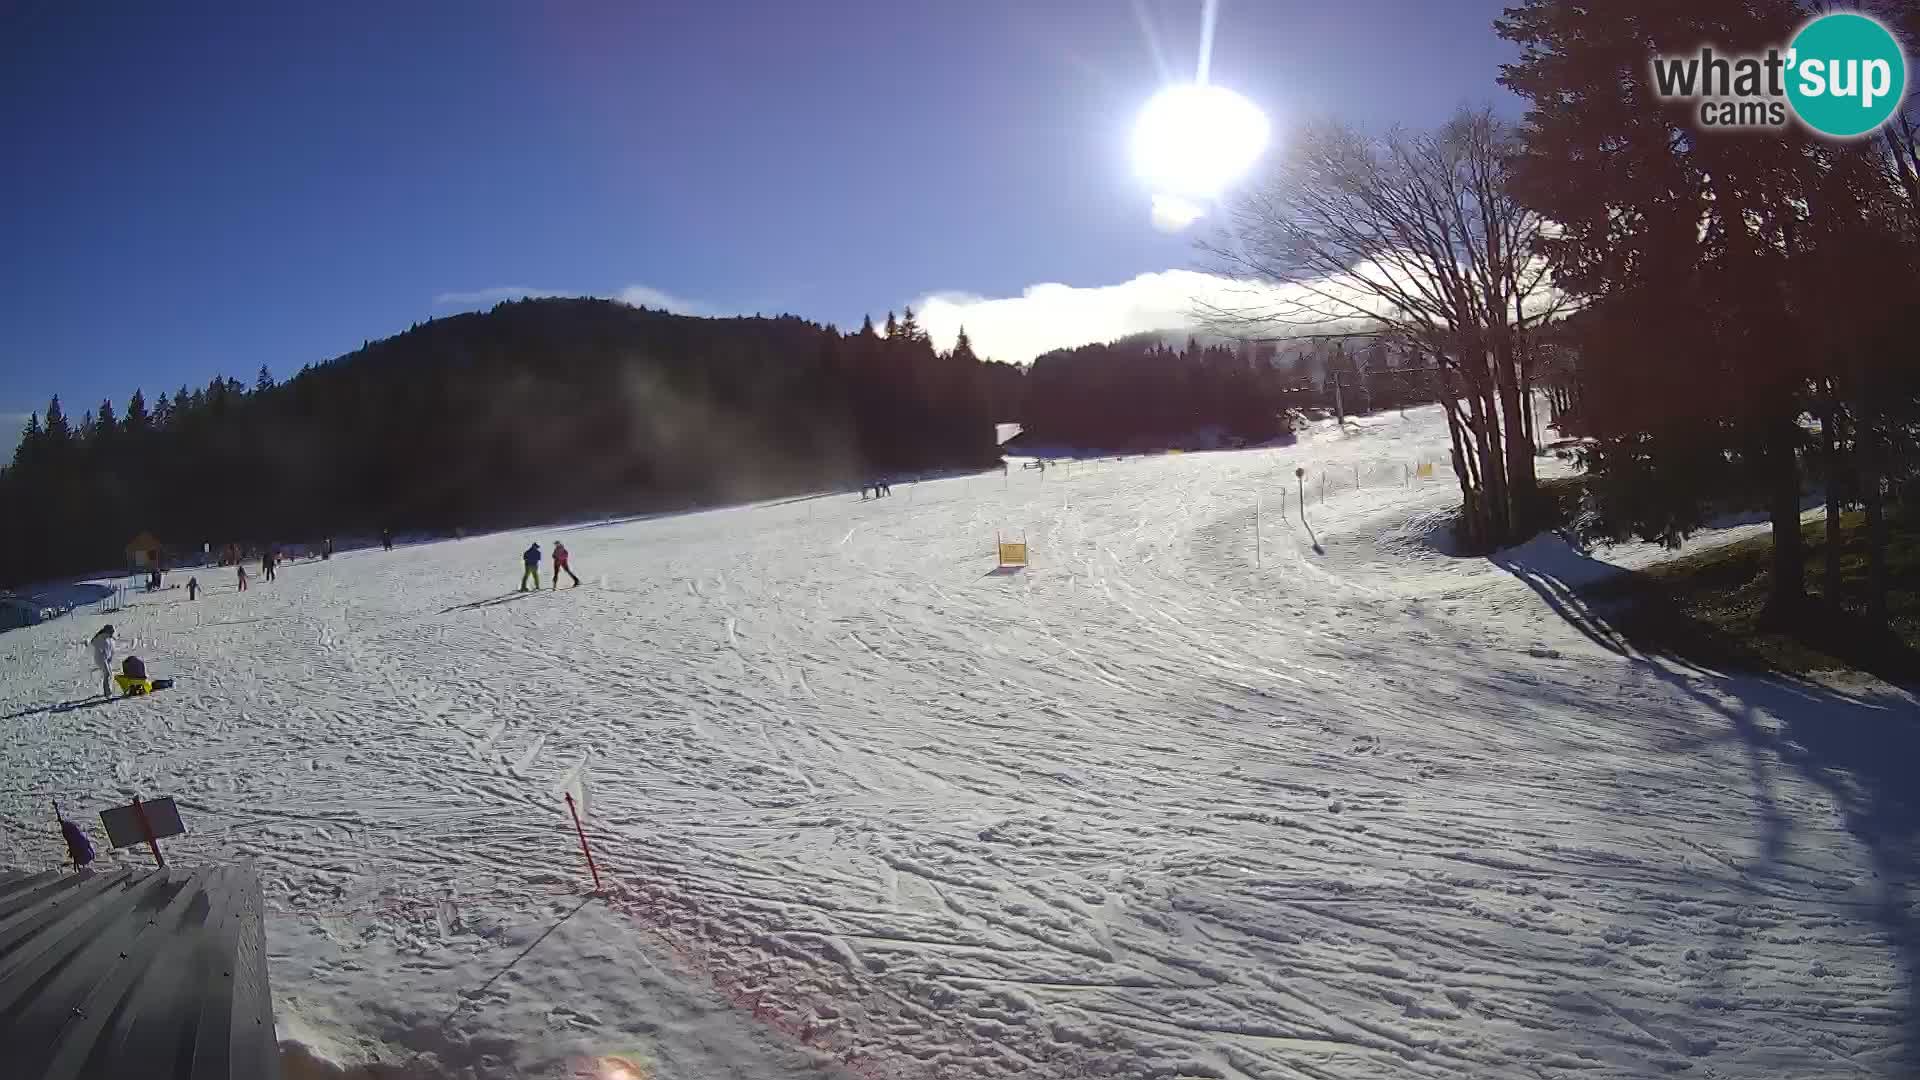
(1863, 752)
(1558, 579)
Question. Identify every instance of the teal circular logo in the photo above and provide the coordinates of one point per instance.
(1846, 74)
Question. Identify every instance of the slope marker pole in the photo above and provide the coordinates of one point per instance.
(584, 849)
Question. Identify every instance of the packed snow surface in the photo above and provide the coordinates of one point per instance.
(1160, 805)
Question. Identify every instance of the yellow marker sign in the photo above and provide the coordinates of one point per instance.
(1012, 553)
(1425, 471)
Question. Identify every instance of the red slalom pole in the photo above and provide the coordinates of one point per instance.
(147, 827)
(584, 849)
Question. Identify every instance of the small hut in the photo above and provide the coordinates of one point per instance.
(143, 552)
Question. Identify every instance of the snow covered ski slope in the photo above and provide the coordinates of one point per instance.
(1159, 806)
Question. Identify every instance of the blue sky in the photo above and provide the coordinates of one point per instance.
(208, 188)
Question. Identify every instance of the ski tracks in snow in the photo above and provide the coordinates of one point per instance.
(1149, 808)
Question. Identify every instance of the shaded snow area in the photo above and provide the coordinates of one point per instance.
(1156, 807)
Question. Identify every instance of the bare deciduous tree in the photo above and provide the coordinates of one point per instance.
(1411, 237)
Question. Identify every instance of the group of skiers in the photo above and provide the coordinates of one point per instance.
(530, 560)
(879, 487)
(132, 678)
(269, 560)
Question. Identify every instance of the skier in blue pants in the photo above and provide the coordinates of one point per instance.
(532, 573)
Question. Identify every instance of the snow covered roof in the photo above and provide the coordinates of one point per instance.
(157, 973)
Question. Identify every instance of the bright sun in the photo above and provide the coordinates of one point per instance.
(1192, 141)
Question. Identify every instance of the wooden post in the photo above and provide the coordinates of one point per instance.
(584, 849)
(147, 827)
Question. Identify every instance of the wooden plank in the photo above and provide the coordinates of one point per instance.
(156, 974)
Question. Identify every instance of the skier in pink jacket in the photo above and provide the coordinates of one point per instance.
(560, 565)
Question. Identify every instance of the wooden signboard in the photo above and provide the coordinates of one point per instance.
(143, 822)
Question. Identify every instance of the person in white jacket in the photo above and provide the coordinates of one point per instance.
(103, 657)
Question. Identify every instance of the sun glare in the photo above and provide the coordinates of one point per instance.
(619, 1068)
(1193, 141)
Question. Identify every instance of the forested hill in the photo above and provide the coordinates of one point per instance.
(1141, 393)
(534, 410)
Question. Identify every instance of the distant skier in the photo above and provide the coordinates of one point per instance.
(560, 557)
(882, 487)
(386, 539)
(193, 588)
(103, 657)
(326, 549)
(267, 559)
(531, 558)
(242, 568)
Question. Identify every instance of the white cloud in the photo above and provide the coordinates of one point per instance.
(1016, 329)
(645, 296)
(636, 295)
(480, 297)
(1045, 317)
(1172, 213)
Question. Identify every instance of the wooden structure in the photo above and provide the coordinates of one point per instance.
(135, 973)
(143, 552)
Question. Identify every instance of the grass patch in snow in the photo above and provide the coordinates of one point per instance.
(1706, 606)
